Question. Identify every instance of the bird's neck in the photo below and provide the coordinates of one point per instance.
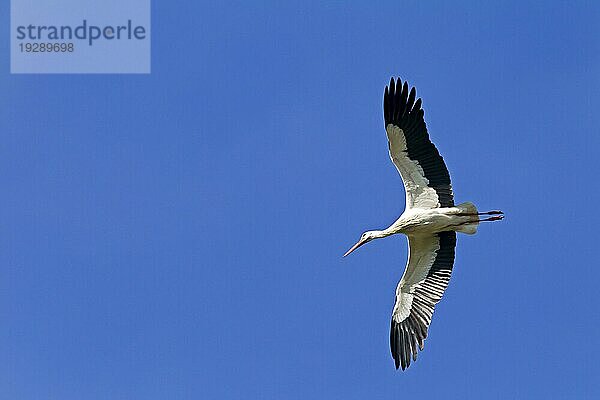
(384, 233)
(396, 227)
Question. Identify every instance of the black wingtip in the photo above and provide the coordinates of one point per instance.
(396, 84)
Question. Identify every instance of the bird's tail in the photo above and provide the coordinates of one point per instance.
(470, 228)
(472, 217)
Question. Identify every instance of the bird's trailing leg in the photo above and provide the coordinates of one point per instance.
(497, 215)
(493, 212)
(495, 218)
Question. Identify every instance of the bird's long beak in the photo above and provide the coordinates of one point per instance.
(356, 246)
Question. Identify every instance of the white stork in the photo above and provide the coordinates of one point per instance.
(430, 221)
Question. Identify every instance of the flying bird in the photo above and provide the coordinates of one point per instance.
(430, 221)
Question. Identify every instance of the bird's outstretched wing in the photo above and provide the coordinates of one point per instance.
(423, 171)
(426, 277)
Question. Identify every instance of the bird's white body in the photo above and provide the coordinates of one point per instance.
(461, 218)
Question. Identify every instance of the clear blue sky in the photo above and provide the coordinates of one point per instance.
(179, 235)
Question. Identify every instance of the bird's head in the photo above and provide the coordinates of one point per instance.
(364, 238)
